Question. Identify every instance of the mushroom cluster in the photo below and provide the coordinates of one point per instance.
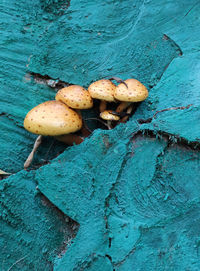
(61, 118)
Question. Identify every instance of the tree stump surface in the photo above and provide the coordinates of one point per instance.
(124, 199)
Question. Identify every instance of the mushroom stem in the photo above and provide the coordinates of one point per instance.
(37, 143)
(129, 110)
(109, 124)
(70, 139)
(102, 106)
(122, 107)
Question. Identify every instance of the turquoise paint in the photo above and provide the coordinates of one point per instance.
(160, 232)
(32, 229)
(115, 45)
(88, 204)
(135, 196)
(141, 210)
(180, 87)
(20, 23)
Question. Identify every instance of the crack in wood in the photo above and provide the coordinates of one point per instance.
(54, 83)
(149, 120)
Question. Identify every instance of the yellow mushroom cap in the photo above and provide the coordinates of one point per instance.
(75, 97)
(103, 90)
(136, 91)
(52, 118)
(107, 115)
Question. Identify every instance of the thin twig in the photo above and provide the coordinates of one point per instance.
(37, 143)
(118, 80)
(16, 263)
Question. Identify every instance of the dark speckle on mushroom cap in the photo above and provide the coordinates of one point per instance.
(136, 91)
(59, 119)
(75, 97)
(103, 90)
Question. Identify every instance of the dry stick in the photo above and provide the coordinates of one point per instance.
(118, 80)
(16, 263)
(37, 143)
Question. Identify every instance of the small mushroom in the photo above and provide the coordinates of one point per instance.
(78, 98)
(103, 90)
(133, 91)
(107, 115)
(51, 118)
(75, 97)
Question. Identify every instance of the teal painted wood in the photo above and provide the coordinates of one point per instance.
(102, 39)
(134, 189)
(21, 23)
(32, 230)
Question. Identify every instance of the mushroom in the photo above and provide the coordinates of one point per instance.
(103, 90)
(133, 91)
(51, 118)
(107, 115)
(76, 97)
